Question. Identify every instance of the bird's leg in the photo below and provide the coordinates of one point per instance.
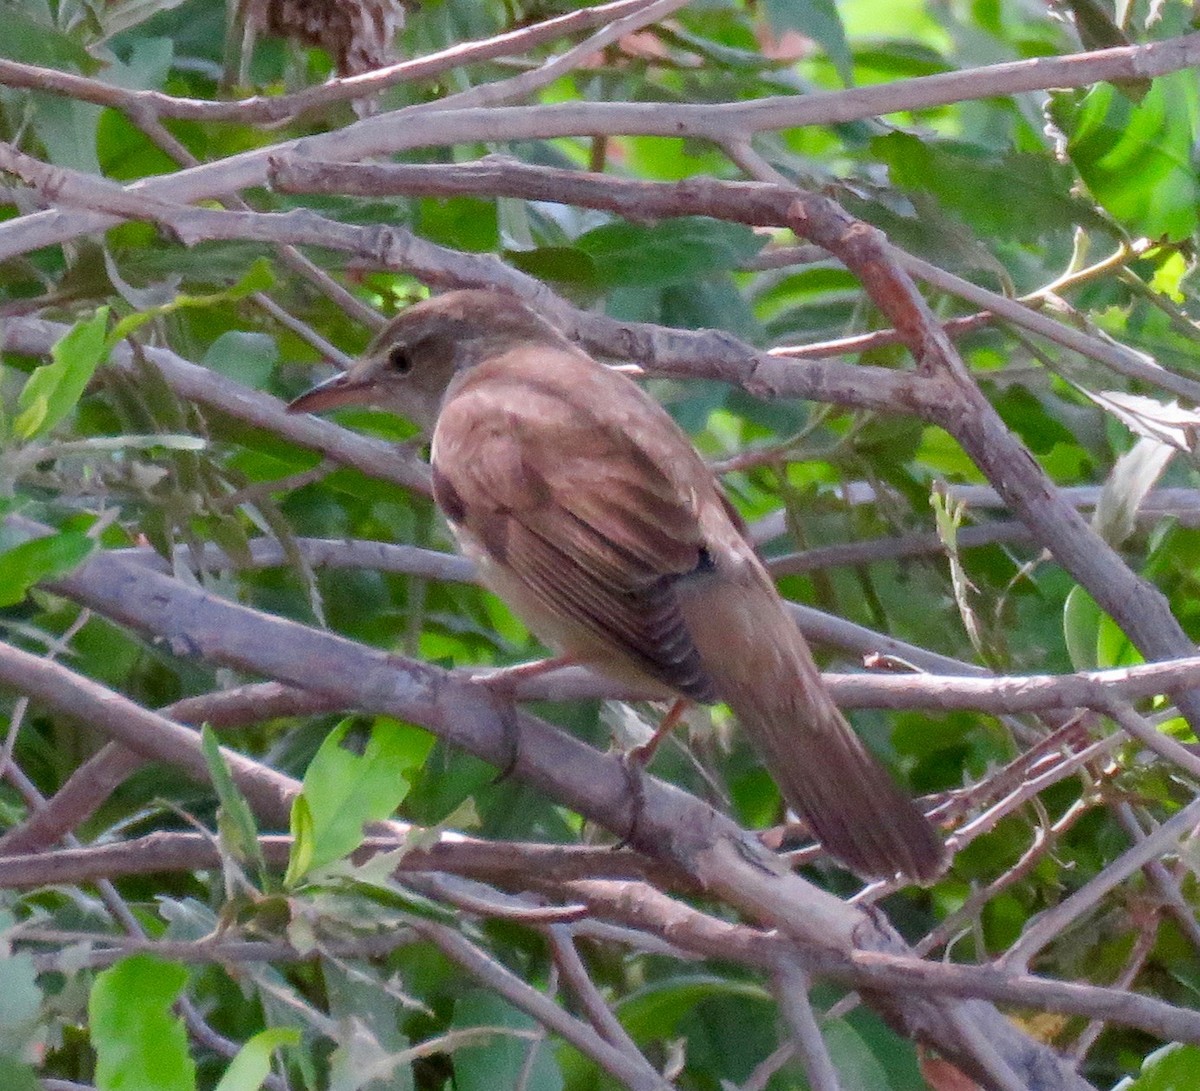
(635, 761)
(502, 685)
(643, 755)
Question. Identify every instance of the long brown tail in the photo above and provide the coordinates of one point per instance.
(764, 671)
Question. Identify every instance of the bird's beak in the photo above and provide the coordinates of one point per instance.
(343, 389)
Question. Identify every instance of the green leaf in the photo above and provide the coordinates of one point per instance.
(724, 1021)
(30, 422)
(857, 1065)
(235, 821)
(563, 264)
(53, 389)
(820, 21)
(466, 223)
(1081, 623)
(1094, 640)
(140, 1045)
(20, 1005)
(40, 559)
(1113, 647)
(36, 42)
(656, 1009)
(373, 1052)
(148, 63)
(250, 1067)
(1172, 1068)
(260, 277)
(303, 830)
(248, 358)
(668, 159)
(15, 1076)
(672, 252)
(964, 177)
(503, 1058)
(68, 128)
(1137, 160)
(342, 792)
(361, 1061)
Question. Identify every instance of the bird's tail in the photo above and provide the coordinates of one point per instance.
(762, 668)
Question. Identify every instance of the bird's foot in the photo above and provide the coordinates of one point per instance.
(634, 769)
(510, 726)
(643, 755)
(501, 685)
(635, 761)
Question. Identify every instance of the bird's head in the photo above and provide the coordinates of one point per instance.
(413, 360)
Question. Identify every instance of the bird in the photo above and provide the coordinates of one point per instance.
(588, 510)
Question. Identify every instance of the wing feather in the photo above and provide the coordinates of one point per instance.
(569, 502)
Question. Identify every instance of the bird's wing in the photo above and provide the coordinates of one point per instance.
(578, 494)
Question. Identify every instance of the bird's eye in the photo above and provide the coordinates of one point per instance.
(400, 360)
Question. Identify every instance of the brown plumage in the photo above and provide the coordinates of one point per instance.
(359, 35)
(588, 510)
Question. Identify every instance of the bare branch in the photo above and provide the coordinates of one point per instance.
(505, 862)
(272, 110)
(144, 732)
(719, 122)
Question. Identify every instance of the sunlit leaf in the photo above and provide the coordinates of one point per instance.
(25, 564)
(1137, 160)
(235, 820)
(248, 1070)
(53, 389)
(140, 1044)
(343, 791)
(1171, 1068)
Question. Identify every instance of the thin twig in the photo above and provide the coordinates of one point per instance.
(1142, 948)
(1049, 925)
(791, 990)
(575, 973)
(275, 109)
(632, 1070)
